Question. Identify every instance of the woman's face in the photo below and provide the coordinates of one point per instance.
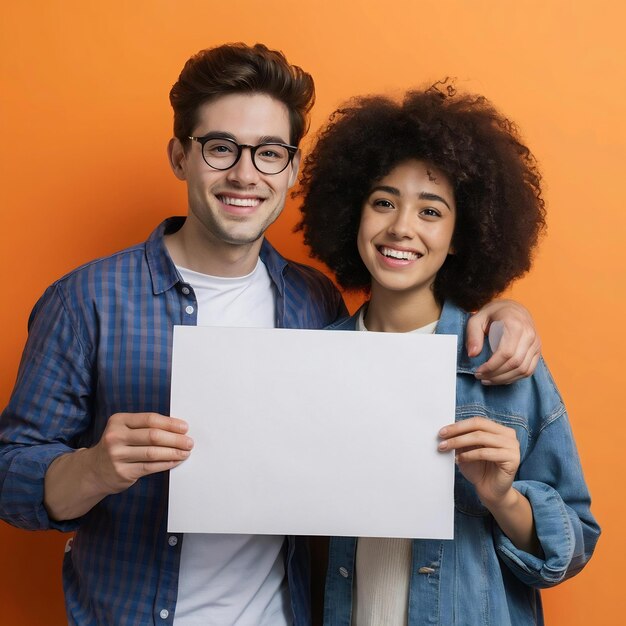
(406, 228)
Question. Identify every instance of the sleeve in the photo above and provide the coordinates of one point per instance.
(338, 308)
(551, 478)
(47, 412)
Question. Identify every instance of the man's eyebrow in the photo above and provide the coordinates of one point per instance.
(424, 195)
(218, 134)
(272, 139)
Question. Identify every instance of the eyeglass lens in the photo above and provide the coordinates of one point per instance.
(269, 158)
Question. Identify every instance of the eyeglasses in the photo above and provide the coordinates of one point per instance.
(221, 153)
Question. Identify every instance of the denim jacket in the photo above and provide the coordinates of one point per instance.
(480, 578)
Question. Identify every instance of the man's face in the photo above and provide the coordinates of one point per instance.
(236, 206)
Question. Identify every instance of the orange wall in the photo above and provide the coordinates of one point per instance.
(84, 124)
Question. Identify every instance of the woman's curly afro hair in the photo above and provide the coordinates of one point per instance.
(500, 211)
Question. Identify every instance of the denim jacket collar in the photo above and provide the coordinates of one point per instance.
(453, 321)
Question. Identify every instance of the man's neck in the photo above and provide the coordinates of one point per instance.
(205, 255)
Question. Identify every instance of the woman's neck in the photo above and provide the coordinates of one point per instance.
(400, 311)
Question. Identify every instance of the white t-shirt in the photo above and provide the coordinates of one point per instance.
(233, 580)
(383, 565)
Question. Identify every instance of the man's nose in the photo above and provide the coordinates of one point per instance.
(244, 171)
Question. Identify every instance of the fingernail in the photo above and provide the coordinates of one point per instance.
(443, 431)
(479, 375)
(485, 382)
(443, 445)
(190, 442)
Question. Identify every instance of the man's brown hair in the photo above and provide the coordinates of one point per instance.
(239, 68)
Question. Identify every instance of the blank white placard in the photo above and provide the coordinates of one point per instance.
(309, 432)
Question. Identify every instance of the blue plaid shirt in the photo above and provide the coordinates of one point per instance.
(100, 343)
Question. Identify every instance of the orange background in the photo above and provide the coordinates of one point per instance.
(84, 124)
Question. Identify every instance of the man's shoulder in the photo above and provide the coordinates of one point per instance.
(102, 266)
(306, 273)
(294, 272)
(311, 300)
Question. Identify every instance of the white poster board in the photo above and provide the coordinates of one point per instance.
(312, 432)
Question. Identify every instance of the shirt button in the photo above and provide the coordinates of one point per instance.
(189, 309)
(164, 614)
(172, 540)
(185, 290)
(344, 572)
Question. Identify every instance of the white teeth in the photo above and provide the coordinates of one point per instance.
(240, 201)
(404, 255)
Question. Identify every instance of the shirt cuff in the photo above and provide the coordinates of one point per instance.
(23, 488)
(554, 531)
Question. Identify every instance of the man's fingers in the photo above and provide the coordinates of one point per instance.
(513, 360)
(516, 355)
(152, 454)
(154, 437)
(475, 333)
(510, 376)
(499, 370)
(153, 468)
(150, 420)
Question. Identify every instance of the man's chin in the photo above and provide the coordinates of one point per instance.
(242, 239)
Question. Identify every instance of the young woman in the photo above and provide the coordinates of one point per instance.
(433, 206)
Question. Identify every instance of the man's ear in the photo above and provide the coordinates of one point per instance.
(295, 166)
(177, 158)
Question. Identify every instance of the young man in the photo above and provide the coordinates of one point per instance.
(86, 438)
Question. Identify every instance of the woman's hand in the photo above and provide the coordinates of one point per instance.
(488, 455)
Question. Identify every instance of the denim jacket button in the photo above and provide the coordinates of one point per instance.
(344, 572)
(426, 570)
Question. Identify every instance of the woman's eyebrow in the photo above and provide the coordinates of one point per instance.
(386, 188)
(433, 197)
(424, 195)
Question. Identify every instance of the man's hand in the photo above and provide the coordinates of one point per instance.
(519, 348)
(132, 445)
(135, 445)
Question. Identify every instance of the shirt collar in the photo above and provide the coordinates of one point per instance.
(275, 264)
(453, 321)
(163, 271)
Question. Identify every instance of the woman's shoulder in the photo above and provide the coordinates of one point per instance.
(346, 323)
(530, 402)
